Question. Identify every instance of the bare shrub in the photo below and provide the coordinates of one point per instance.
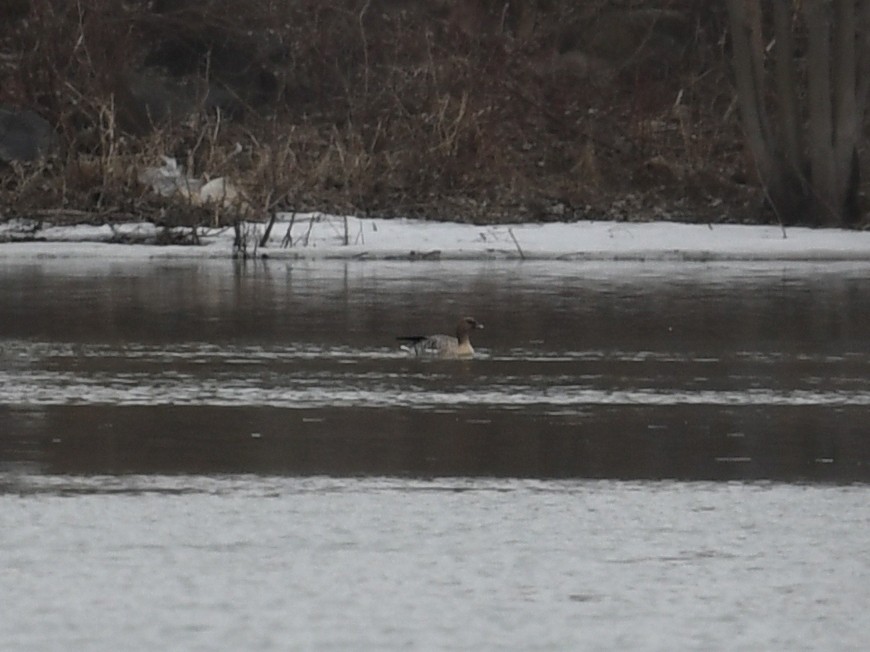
(461, 109)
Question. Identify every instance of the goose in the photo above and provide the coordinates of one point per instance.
(443, 346)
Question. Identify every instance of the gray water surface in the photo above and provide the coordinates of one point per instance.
(585, 370)
(277, 563)
(201, 456)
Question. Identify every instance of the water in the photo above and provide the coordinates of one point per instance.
(209, 456)
(275, 563)
(696, 372)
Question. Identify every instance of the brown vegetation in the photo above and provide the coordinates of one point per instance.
(473, 110)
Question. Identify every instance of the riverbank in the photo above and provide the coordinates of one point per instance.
(319, 236)
(466, 110)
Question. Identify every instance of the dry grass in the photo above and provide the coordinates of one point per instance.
(475, 110)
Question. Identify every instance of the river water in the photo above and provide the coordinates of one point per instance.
(210, 455)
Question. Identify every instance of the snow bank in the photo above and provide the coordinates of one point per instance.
(323, 236)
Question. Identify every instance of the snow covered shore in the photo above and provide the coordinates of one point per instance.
(311, 236)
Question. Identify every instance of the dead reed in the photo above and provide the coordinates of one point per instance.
(481, 111)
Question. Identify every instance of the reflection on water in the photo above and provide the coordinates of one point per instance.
(586, 370)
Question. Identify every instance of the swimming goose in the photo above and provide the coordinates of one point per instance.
(443, 346)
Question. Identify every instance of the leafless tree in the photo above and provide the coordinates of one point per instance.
(802, 69)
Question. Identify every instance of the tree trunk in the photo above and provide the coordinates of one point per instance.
(807, 159)
(787, 86)
(823, 169)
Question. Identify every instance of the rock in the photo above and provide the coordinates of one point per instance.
(221, 192)
(147, 100)
(614, 39)
(25, 135)
(169, 179)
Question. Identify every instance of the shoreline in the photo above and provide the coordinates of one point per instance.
(314, 236)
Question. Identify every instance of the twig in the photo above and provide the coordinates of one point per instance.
(775, 210)
(519, 248)
(287, 241)
(268, 230)
(308, 233)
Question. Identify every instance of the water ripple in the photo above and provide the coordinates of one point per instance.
(58, 388)
(11, 350)
(199, 374)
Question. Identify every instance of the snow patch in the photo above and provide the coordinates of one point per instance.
(318, 235)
